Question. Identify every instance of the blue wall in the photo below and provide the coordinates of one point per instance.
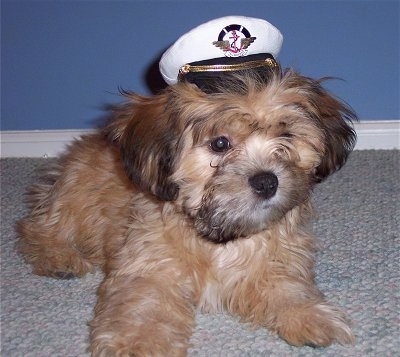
(63, 60)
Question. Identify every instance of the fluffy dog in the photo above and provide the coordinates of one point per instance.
(190, 200)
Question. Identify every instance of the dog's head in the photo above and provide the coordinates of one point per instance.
(239, 158)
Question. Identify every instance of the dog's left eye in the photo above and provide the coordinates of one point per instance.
(220, 144)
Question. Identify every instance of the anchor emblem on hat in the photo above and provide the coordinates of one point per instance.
(234, 40)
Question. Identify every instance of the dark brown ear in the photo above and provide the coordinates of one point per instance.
(335, 118)
(148, 139)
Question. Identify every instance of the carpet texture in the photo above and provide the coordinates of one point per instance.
(357, 268)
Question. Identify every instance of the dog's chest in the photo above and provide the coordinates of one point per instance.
(231, 268)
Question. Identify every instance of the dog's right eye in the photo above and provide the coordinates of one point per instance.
(286, 135)
(220, 144)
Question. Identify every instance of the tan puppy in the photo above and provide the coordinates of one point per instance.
(191, 200)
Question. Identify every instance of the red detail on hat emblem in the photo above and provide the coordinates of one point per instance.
(234, 40)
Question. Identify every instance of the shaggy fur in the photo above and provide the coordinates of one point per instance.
(191, 200)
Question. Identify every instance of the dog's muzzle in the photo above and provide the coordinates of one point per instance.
(264, 184)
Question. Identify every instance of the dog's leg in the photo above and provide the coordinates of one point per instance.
(47, 241)
(147, 315)
(77, 205)
(304, 317)
(294, 308)
(279, 293)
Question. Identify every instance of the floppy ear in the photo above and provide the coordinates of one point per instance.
(148, 139)
(335, 119)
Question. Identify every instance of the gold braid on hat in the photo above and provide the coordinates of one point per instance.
(188, 68)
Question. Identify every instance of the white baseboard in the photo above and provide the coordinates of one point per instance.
(37, 143)
(49, 143)
(378, 135)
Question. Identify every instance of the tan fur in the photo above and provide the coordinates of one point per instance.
(177, 226)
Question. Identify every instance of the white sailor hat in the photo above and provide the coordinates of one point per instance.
(224, 44)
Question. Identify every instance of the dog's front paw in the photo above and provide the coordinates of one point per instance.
(317, 326)
(138, 346)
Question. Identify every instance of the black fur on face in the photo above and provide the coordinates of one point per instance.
(149, 142)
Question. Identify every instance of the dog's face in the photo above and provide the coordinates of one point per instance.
(237, 160)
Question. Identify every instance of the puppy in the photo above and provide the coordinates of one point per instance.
(196, 200)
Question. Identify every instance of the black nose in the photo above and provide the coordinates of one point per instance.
(264, 184)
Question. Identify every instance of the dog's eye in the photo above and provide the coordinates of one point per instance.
(220, 144)
(286, 135)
